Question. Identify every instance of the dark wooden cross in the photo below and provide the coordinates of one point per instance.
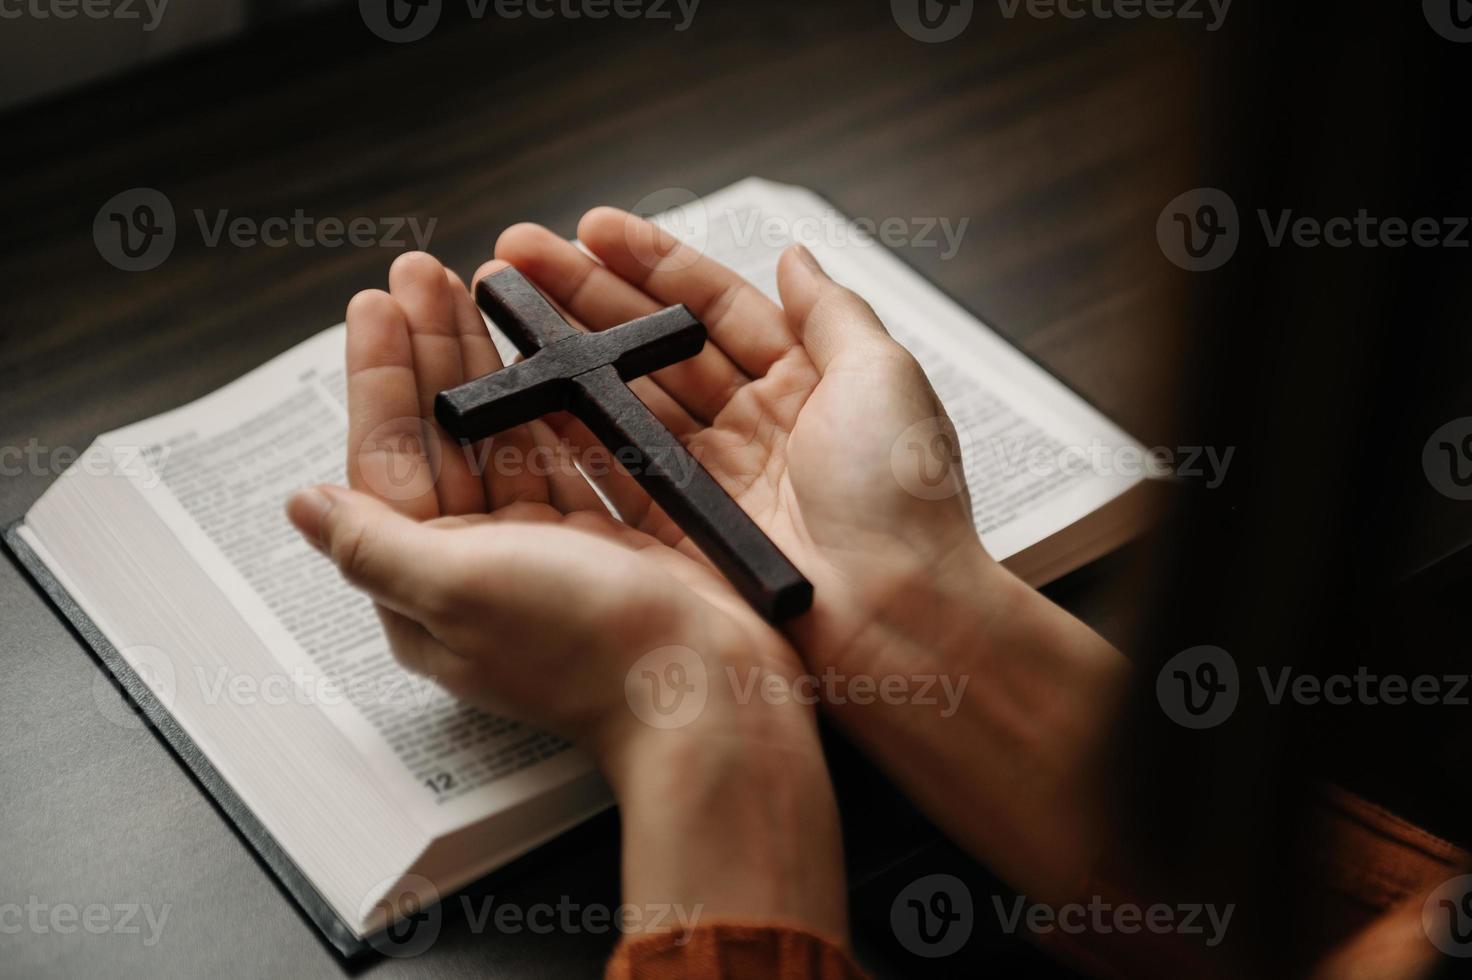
(585, 373)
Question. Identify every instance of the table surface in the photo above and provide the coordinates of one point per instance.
(1060, 141)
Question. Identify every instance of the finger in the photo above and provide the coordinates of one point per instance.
(568, 490)
(372, 546)
(599, 299)
(670, 412)
(527, 456)
(602, 525)
(504, 485)
(508, 578)
(830, 321)
(387, 439)
(674, 415)
(416, 649)
(418, 588)
(603, 469)
(478, 354)
(417, 281)
(526, 513)
(397, 560)
(531, 463)
(743, 322)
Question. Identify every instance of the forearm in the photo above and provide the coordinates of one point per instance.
(733, 819)
(1009, 768)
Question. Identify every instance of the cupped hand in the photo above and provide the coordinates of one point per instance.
(497, 569)
(500, 573)
(795, 409)
(829, 435)
(805, 412)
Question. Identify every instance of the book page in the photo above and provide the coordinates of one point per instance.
(1024, 436)
(215, 475)
(224, 467)
(225, 464)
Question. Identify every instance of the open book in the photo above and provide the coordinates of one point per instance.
(167, 546)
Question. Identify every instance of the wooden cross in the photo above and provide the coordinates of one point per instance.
(585, 373)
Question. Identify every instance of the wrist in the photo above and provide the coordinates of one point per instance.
(936, 613)
(731, 815)
(1009, 766)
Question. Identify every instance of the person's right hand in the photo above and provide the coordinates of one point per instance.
(503, 577)
(809, 414)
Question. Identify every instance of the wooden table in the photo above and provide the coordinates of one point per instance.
(1057, 139)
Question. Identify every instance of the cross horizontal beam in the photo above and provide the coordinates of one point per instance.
(541, 384)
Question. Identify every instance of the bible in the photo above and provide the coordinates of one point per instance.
(167, 547)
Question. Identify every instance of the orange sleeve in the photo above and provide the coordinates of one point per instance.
(1379, 870)
(1372, 872)
(731, 951)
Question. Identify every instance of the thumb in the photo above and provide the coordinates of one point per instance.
(829, 319)
(512, 575)
(395, 559)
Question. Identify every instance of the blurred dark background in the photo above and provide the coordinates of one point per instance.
(52, 50)
(1060, 139)
(1338, 548)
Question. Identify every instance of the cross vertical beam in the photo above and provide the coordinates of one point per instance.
(585, 373)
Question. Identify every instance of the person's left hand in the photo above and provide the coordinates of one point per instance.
(497, 569)
(509, 583)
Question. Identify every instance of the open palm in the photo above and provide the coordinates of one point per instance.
(794, 409)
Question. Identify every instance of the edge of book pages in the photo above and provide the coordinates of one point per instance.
(1120, 516)
(334, 929)
(338, 932)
